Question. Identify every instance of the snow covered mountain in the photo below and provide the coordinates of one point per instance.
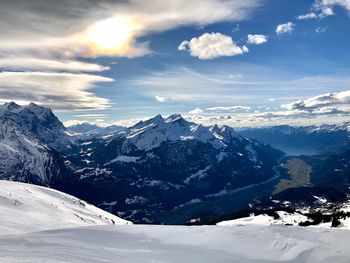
(28, 208)
(165, 163)
(38, 122)
(32, 141)
(306, 140)
(156, 165)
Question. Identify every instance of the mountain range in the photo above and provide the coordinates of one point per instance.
(303, 140)
(163, 170)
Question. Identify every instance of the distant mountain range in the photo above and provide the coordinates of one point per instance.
(90, 130)
(162, 170)
(304, 140)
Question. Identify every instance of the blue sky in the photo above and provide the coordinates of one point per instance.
(122, 61)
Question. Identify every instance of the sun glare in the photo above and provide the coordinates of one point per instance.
(112, 33)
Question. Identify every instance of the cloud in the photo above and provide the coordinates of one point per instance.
(25, 63)
(311, 15)
(286, 28)
(39, 36)
(331, 3)
(219, 109)
(91, 28)
(92, 116)
(208, 85)
(196, 111)
(325, 108)
(228, 108)
(325, 7)
(336, 100)
(160, 98)
(60, 91)
(212, 45)
(321, 29)
(236, 28)
(257, 39)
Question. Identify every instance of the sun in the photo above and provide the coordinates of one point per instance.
(112, 33)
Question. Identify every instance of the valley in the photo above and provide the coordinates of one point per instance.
(299, 172)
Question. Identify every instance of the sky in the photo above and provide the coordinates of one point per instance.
(240, 63)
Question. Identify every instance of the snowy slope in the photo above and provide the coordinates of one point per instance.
(24, 157)
(266, 220)
(28, 208)
(38, 224)
(341, 212)
(160, 244)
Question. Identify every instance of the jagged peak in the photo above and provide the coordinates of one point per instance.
(12, 104)
(155, 120)
(33, 104)
(158, 117)
(174, 117)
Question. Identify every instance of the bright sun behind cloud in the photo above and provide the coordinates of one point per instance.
(112, 32)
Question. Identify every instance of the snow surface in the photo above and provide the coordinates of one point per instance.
(28, 208)
(206, 244)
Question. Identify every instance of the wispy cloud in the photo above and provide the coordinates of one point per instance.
(213, 85)
(311, 15)
(29, 63)
(48, 39)
(86, 27)
(228, 108)
(330, 107)
(60, 91)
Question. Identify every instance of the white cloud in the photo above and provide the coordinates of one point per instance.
(311, 15)
(325, 7)
(336, 100)
(196, 111)
(60, 91)
(212, 45)
(160, 98)
(285, 28)
(327, 11)
(257, 39)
